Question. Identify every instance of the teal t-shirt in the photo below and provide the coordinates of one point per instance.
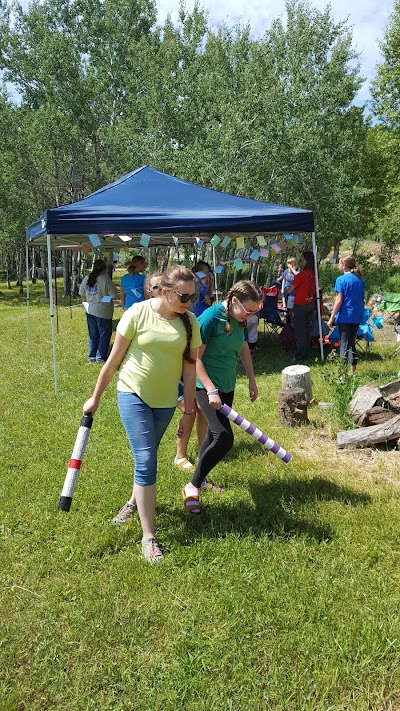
(222, 352)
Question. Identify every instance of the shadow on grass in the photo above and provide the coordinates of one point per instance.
(278, 511)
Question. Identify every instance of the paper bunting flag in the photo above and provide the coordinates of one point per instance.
(276, 247)
(264, 252)
(175, 241)
(215, 240)
(238, 264)
(125, 238)
(86, 248)
(185, 262)
(76, 249)
(106, 299)
(117, 250)
(261, 241)
(145, 240)
(255, 255)
(239, 242)
(199, 242)
(95, 240)
(225, 242)
(296, 239)
(106, 254)
(201, 275)
(125, 249)
(218, 269)
(287, 236)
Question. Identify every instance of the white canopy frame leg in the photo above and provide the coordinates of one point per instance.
(321, 344)
(28, 329)
(215, 275)
(53, 335)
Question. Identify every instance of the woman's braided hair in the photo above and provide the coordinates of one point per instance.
(168, 280)
(244, 291)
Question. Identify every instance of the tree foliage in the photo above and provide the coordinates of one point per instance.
(99, 89)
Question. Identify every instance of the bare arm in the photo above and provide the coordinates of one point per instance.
(245, 357)
(214, 398)
(189, 387)
(336, 306)
(121, 345)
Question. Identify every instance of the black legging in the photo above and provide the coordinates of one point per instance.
(348, 335)
(219, 437)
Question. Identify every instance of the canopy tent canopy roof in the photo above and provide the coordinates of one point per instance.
(161, 205)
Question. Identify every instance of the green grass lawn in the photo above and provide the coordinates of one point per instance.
(283, 595)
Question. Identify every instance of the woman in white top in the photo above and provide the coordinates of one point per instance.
(97, 291)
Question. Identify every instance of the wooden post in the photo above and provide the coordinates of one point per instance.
(297, 376)
(292, 406)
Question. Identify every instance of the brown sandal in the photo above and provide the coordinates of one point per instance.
(191, 503)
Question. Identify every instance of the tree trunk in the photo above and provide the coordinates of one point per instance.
(297, 376)
(336, 248)
(66, 272)
(43, 264)
(74, 275)
(292, 406)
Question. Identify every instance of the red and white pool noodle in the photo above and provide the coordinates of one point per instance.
(254, 432)
(75, 463)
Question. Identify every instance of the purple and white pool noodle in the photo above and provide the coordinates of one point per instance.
(259, 436)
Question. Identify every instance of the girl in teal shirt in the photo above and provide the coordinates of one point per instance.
(224, 339)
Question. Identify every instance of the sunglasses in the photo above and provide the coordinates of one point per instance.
(186, 297)
(153, 288)
(248, 313)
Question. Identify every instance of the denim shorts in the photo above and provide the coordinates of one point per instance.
(145, 427)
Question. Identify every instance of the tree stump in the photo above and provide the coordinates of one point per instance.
(297, 376)
(292, 406)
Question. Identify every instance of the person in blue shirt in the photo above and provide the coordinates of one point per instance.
(349, 309)
(132, 284)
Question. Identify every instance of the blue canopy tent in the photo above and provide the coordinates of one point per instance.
(162, 206)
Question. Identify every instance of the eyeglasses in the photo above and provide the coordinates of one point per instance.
(186, 297)
(248, 313)
(153, 288)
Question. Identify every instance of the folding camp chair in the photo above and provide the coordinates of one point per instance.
(364, 334)
(364, 337)
(397, 349)
(269, 313)
(390, 305)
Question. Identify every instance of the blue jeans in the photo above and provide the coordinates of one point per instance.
(100, 330)
(144, 427)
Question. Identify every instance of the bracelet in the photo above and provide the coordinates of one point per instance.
(188, 413)
(212, 392)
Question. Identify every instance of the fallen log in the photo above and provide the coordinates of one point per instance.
(364, 398)
(376, 416)
(368, 436)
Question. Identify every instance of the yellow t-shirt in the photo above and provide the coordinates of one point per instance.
(152, 366)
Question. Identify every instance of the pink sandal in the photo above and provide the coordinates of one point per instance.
(191, 503)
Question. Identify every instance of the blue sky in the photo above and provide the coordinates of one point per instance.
(366, 18)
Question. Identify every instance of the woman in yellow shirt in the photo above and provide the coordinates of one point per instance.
(154, 339)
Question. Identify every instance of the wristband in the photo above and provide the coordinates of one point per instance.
(212, 392)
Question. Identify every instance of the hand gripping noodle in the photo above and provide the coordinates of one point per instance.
(256, 433)
(75, 463)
